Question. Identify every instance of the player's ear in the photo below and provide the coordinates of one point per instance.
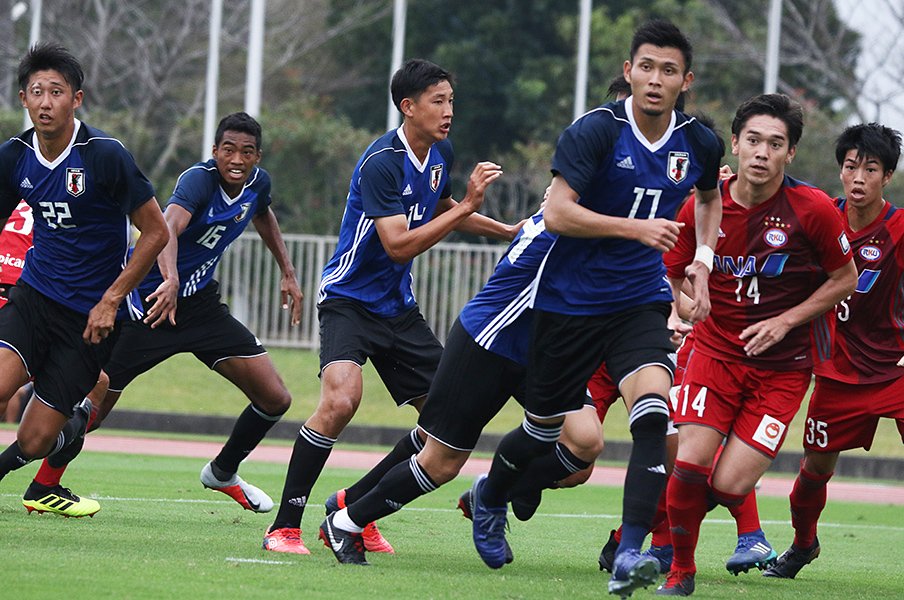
(688, 79)
(77, 99)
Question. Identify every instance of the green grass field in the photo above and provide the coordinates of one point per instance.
(160, 535)
(166, 388)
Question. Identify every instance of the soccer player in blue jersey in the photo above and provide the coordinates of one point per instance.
(213, 203)
(620, 172)
(64, 314)
(399, 205)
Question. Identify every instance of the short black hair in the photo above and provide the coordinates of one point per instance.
(779, 106)
(46, 56)
(709, 122)
(241, 122)
(618, 86)
(873, 141)
(662, 34)
(415, 76)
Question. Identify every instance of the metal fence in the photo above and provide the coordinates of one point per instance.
(445, 278)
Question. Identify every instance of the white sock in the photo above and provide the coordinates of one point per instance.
(344, 522)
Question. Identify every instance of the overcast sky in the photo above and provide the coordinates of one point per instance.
(882, 58)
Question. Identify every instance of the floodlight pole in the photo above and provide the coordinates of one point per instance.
(398, 48)
(773, 42)
(34, 36)
(213, 77)
(583, 59)
(254, 68)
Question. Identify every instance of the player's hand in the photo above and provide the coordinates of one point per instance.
(101, 320)
(725, 172)
(482, 176)
(763, 335)
(289, 289)
(679, 330)
(698, 276)
(660, 234)
(163, 302)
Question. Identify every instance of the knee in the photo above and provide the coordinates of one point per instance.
(275, 403)
(36, 446)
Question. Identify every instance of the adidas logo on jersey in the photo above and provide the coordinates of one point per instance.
(407, 190)
(26, 184)
(625, 163)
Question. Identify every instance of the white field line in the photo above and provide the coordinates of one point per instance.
(707, 521)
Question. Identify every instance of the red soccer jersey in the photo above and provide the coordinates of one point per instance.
(15, 240)
(769, 258)
(869, 338)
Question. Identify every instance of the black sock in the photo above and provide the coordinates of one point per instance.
(249, 429)
(407, 446)
(646, 476)
(402, 484)
(514, 454)
(308, 457)
(546, 470)
(12, 459)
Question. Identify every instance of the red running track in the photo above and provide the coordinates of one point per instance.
(874, 493)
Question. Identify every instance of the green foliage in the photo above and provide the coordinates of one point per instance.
(310, 155)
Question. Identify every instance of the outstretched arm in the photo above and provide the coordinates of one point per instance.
(268, 228)
(403, 244)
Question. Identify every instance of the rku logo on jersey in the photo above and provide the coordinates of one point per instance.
(870, 253)
(75, 181)
(436, 174)
(678, 164)
(775, 237)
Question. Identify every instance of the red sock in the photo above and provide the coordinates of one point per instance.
(617, 535)
(808, 498)
(687, 501)
(661, 535)
(51, 476)
(746, 514)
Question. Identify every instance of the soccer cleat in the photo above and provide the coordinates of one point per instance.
(792, 561)
(632, 570)
(285, 539)
(347, 547)
(464, 504)
(525, 505)
(752, 551)
(373, 539)
(607, 555)
(249, 496)
(58, 500)
(677, 583)
(488, 525)
(663, 554)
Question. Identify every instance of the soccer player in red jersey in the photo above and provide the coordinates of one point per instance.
(864, 380)
(782, 260)
(15, 240)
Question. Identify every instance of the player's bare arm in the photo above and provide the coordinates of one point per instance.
(403, 244)
(708, 215)
(268, 228)
(164, 299)
(677, 318)
(564, 216)
(154, 236)
(763, 335)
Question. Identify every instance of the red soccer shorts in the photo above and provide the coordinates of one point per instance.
(842, 416)
(604, 394)
(757, 405)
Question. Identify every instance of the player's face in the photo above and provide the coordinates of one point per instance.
(236, 155)
(431, 112)
(51, 103)
(657, 76)
(863, 179)
(763, 150)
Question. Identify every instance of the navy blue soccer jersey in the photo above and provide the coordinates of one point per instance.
(81, 204)
(388, 180)
(216, 221)
(616, 171)
(499, 316)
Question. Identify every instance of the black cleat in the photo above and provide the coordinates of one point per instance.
(677, 583)
(792, 561)
(347, 547)
(607, 555)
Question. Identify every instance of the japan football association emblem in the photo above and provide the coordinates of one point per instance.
(678, 165)
(436, 174)
(75, 181)
(244, 213)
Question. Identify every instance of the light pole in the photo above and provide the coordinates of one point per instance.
(34, 34)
